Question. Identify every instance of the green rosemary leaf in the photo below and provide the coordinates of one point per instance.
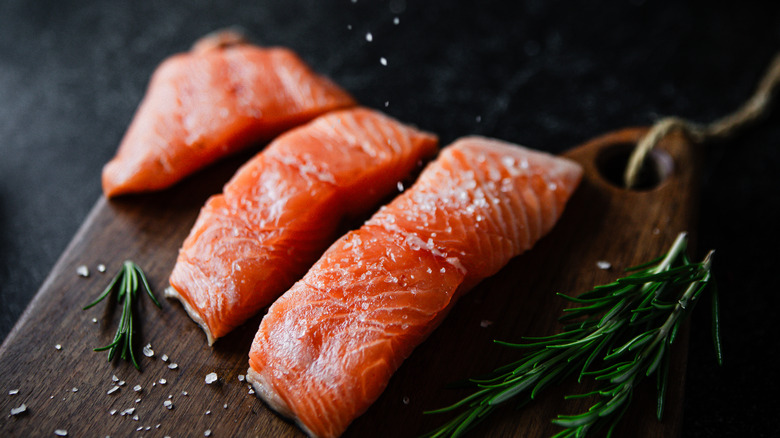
(623, 329)
(716, 340)
(126, 282)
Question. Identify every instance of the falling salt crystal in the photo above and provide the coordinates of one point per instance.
(400, 186)
(485, 323)
(207, 433)
(369, 37)
(406, 400)
(170, 396)
(137, 388)
(154, 383)
(112, 412)
(13, 392)
(75, 389)
(114, 378)
(241, 377)
(83, 271)
(184, 393)
(349, 27)
(101, 268)
(383, 61)
(94, 320)
(164, 358)
(387, 103)
(112, 390)
(208, 412)
(58, 347)
(148, 352)
(61, 432)
(168, 404)
(479, 119)
(19, 410)
(211, 378)
(224, 406)
(396, 20)
(603, 264)
(163, 381)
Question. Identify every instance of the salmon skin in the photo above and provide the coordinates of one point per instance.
(282, 209)
(327, 348)
(220, 97)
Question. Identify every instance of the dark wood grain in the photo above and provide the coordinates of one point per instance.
(601, 222)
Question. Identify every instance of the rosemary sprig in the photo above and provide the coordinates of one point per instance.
(622, 333)
(127, 282)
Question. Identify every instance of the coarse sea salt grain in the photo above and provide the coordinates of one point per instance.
(112, 390)
(75, 389)
(61, 432)
(383, 61)
(184, 393)
(94, 320)
(121, 383)
(114, 378)
(369, 37)
(173, 366)
(137, 388)
(112, 412)
(58, 347)
(19, 410)
(211, 378)
(135, 417)
(208, 412)
(168, 404)
(83, 271)
(163, 381)
(164, 358)
(101, 268)
(13, 392)
(148, 352)
(241, 377)
(207, 433)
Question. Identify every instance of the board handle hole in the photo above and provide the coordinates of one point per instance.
(611, 163)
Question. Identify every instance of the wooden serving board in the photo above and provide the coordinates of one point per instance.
(66, 388)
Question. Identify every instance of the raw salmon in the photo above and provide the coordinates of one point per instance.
(222, 96)
(327, 348)
(282, 208)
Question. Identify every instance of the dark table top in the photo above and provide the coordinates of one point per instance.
(546, 74)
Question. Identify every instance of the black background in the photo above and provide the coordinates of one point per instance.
(546, 74)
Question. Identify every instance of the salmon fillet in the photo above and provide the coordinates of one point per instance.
(220, 97)
(327, 348)
(282, 208)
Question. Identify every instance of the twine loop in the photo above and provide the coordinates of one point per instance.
(752, 110)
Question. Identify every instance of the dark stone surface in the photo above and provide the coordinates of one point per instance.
(547, 74)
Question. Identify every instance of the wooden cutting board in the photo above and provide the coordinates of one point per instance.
(48, 355)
